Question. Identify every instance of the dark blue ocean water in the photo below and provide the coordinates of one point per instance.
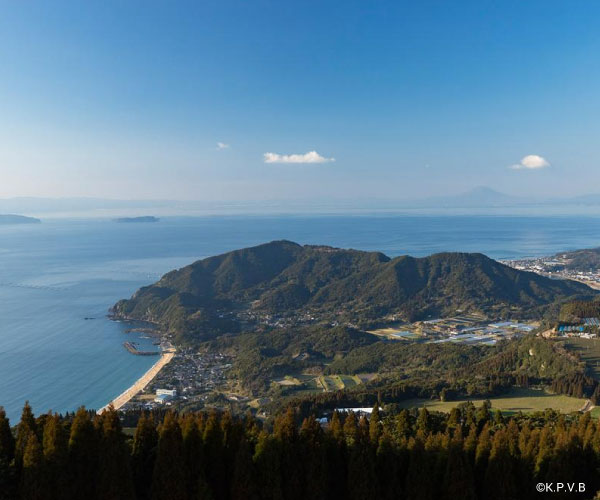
(55, 274)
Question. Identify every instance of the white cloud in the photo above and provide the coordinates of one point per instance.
(222, 145)
(310, 157)
(531, 162)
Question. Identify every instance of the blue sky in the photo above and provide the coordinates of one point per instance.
(130, 99)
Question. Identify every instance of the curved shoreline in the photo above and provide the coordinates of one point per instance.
(140, 383)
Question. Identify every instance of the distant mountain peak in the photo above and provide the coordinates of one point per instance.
(486, 190)
(480, 196)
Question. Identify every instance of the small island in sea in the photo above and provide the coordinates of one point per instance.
(6, 219)
(145, 218)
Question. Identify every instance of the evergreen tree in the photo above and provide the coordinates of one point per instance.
(498, 417)
(7, 450)
(7, 441)
(145, 442)
(483, 414)
(114, 481)
(530, 448)
(215, 469)
(285, 430)
(469, 413)
(169, 478)
(482, 454)
(375, 426)
(390, 467)
(420, 476)
(458, 478)
(25, 428)
(350, 429)
(285, 426)
(545, 453)
(233, 431)
(56, 456)
(501, 479)
(8, 484)
(403, 425)
(32, 473)
(83, 456)
(361, 465)
(335, 453)
(267, 458)
(314, 452)
(243, 484)
(222, 457)
(470, 444)
(454, 419)
(336, 427)
(424, 421)
(193, 453)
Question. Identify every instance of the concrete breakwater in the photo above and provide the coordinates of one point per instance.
(130, 346)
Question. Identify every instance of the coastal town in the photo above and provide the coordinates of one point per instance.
(557, 267)
(191, 378)
(188, 378)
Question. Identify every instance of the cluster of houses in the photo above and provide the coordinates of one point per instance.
(556, 267)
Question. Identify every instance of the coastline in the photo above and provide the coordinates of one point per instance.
(140, 383)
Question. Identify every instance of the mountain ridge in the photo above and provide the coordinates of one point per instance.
(284, 279)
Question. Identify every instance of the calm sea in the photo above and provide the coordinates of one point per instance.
(55, 274)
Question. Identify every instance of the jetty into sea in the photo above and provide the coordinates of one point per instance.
(130, 346)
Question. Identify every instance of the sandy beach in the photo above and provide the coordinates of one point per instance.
(142, 382)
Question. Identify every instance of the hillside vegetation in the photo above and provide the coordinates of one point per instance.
(203, 300)
(414, 369)
(582, 260)
(574, 312)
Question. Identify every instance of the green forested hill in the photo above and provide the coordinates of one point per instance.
(582, 260)
(282, 277)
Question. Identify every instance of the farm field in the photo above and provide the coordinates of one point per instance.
(387, 331)
(338, 382)
(519, 399)
(323, 383)
(589, 350)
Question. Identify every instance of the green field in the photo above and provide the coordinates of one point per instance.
(524, 400)
(327, 383)
(589, 350)
(288, 380)
(350, 380)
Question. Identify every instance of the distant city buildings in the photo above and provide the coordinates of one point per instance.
(557, 267)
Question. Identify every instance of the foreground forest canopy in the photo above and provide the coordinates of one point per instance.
(471, 453)
(221, 294)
